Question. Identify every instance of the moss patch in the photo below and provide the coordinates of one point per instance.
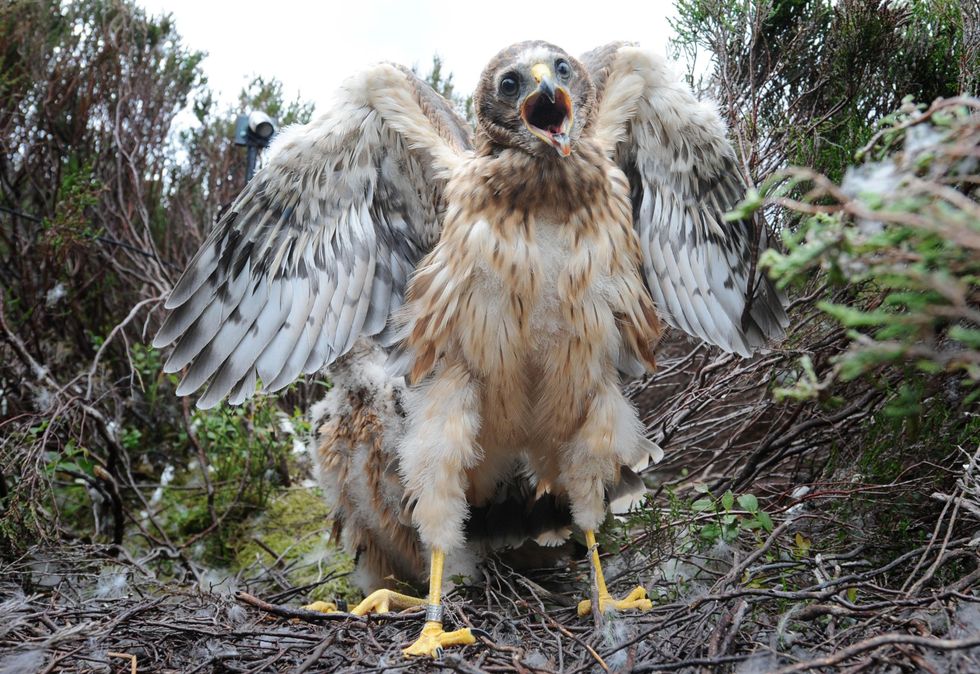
(295, 526)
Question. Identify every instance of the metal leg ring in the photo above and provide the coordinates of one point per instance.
(433, 613)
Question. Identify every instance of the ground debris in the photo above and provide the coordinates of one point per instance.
(737, 607)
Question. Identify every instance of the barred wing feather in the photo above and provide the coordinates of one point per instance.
(684, 178)
(317, 249)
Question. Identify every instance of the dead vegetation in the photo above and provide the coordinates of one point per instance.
(771, 602)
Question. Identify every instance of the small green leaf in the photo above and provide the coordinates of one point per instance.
(710, 531)
(802, 545)
(962, 334)
(702, 505)
(765, 521)
(728, 500)
(748, 502)
(855, 318)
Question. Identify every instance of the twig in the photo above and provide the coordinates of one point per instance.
(317, 653)
(297, 613)
(119, 326)
(129, 656)
(879, 641)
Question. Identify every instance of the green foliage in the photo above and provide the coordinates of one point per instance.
(726, 522)
(884, 253)
(103, 204)
(77, 194)
(443, 84)
(907, 244)
(802, 80)
(218, 467)
(267, 95)
(897, 455)
(697, 522)
(804, 383)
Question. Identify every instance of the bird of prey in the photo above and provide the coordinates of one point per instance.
(513, 280)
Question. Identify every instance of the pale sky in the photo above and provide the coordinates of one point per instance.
(312, 46)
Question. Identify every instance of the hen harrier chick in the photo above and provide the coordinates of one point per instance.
(517, 279)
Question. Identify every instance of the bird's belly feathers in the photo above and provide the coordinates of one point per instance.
(546, 335)
(516, 327)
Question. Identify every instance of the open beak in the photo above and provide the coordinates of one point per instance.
(547, 111)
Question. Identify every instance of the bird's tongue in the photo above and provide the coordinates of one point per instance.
(552, 119)
(562, 143)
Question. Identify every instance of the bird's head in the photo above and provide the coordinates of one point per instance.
(534, 97)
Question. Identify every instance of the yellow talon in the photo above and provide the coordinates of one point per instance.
(379, 601)
(322, 607)
(433, 639)
(383, 601)
(637, 599)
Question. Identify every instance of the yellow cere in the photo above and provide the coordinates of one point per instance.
(539, 71)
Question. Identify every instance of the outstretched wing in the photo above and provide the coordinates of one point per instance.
(317, 249)
(684, 177)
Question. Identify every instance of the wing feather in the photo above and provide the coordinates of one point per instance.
(684, 178)
(275, 355)
(229, 335)
(200, 268)
(195, 337)
(241, 360)
(313, 325)
(317, 249)
(244, 389)
(380, 301)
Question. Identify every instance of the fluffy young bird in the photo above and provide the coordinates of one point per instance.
(514, 280)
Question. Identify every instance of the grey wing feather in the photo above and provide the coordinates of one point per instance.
(317, 249)
(684, 178)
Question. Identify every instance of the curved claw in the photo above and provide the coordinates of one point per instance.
(433, 639)
(635, 600)
(379, 601)
(322, 607)
(383, 601)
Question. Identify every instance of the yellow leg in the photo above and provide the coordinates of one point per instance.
(433, 639)
(637, 599)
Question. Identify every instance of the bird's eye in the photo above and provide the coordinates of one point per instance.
(563, 69)
(508, 85)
